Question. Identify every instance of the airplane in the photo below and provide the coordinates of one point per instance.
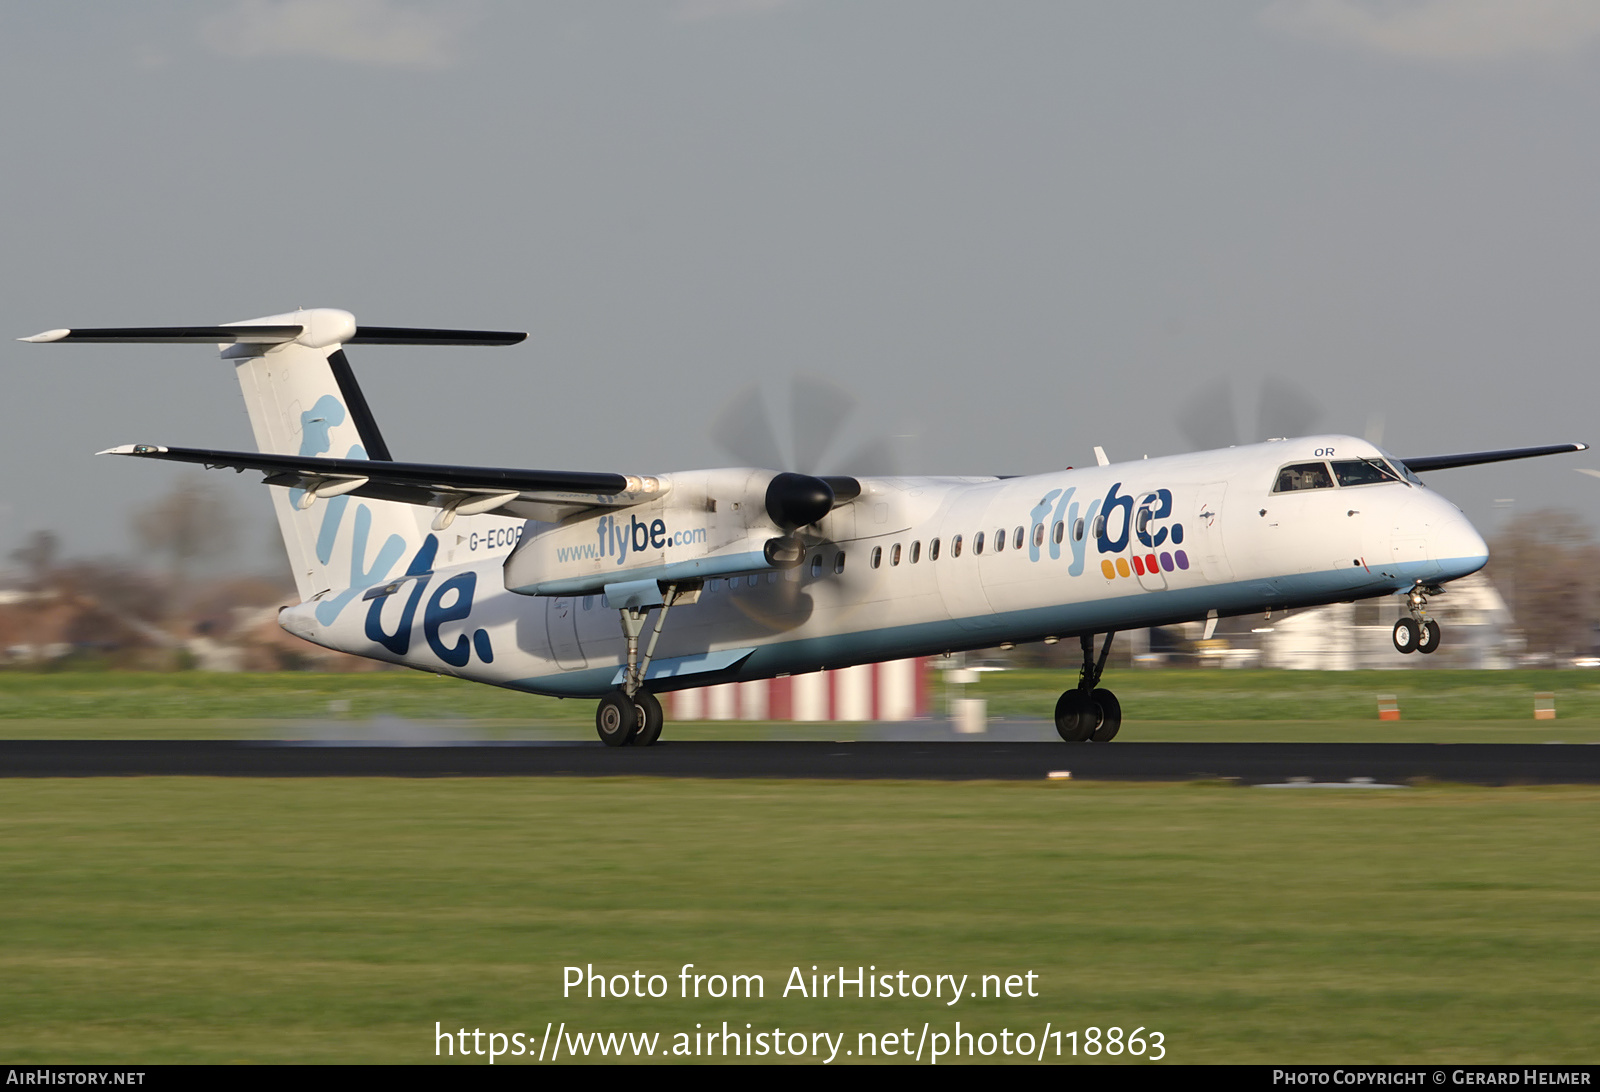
(544, 581)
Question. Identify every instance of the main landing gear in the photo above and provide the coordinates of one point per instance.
(1419, 633)
(631, 715)
(1089, 713)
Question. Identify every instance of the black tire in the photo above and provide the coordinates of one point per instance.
(1428, 641)
(616, 720)
(651, 719)
(1406, 636)
(1075, 717)
(1110, 716)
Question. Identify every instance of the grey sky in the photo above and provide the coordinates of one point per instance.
(1015, 230)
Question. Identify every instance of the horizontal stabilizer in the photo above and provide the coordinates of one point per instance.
(272, 335)
(1474, 458)
(529, 494)
(405, 335)
(174, 335)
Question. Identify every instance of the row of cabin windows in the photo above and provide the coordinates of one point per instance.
(998, 543)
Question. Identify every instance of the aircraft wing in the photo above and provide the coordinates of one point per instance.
(455, 490)
(1473, 458)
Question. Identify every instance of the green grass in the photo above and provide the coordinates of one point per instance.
(1436, 706)
(153, 920)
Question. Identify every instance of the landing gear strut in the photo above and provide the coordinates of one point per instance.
(632, 715)
(1419, 633)
(1089, 713)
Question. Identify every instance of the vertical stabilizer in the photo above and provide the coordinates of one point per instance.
(303, 399)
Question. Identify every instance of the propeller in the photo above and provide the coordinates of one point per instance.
(1283, 408)
(819, 411)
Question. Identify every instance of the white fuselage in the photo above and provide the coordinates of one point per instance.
(1182, 537)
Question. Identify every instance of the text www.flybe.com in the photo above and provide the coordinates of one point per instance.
(618, 541)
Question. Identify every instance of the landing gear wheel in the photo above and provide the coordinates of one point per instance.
(1075, 717)
(651, 718)
(616, 720)
(1429, 640)
(1110, 716)
(1406, 636)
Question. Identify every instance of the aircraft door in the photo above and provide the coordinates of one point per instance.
(561, 625)
(1203, 538)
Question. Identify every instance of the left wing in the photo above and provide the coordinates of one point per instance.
(455, 490)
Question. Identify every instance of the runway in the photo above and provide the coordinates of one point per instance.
(1293, 764)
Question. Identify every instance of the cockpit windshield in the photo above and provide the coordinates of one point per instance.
(1303, 476)
(1363, 471)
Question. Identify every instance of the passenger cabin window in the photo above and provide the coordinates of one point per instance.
(1303, 476)
(1000, 540)
(1060, 532)
(933, 550)
(1077, 531)
(1016, 539)
(1363, 472)
(877, 556)
(894, 554)
(1099, 526)
(816, 565)
(916, 552)
(838, 562)
(955, 546)
(977, 543)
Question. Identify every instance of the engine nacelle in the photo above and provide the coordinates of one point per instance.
(707, 524)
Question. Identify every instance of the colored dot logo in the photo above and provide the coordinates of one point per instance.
(1145, 564)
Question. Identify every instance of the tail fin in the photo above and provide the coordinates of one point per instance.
(303, 399)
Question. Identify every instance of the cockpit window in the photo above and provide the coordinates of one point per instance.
(1363, 471)
(1303, 476)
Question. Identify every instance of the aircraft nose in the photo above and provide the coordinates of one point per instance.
(1455, 543)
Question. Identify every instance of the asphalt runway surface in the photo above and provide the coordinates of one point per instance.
(1290, 764)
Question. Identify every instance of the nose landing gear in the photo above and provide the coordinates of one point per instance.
(1419, 633)
(1089, 713)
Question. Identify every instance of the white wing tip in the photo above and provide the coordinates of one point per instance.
(132, 449)
(48, 335)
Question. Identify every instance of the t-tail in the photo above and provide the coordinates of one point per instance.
(303, 400)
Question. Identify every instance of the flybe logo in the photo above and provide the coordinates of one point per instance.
(1134, 528)
(618, 540)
